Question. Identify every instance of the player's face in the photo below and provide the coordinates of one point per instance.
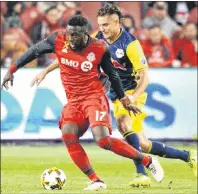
(76, 39)
(109, 25)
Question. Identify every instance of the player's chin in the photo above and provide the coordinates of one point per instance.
(106, 36)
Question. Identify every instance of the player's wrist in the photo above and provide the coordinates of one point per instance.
(124, 97)
(13, 68)
(125, 100)
(132, 98)
(45, 71)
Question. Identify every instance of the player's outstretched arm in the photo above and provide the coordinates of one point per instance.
(42, 47)
(116, 84)
(136, 56)
(41, 76)
(142, 83)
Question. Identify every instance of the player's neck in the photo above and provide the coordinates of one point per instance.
(115, 36)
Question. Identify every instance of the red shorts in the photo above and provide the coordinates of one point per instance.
(91, 112)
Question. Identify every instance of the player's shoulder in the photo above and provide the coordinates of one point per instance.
(127, 37)
(60, 34)
(98, 35)
(98, 42)
(56, 36)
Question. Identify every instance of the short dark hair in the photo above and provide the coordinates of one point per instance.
(110, 9)
(78, 20)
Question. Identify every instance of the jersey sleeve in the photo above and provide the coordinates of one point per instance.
(114, 78)
(42, 47)
(136, 55)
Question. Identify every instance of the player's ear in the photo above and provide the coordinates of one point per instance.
(117, 21)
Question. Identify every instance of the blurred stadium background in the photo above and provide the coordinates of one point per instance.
(168, 34)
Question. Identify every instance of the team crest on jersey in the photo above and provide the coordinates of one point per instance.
(143, 61)
(119, 53)
(91, 57)
(86, 66)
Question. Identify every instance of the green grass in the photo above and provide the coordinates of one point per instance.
(21, 167)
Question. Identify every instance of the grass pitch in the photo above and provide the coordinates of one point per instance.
(22, 166)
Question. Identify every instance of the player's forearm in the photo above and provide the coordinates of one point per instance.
(27, 57)
(52, 67)
(114, 78)
(42, 47)
(117, 85)
(142, 83)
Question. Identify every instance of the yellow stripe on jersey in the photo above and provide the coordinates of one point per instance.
(136, 56)
(93, 35)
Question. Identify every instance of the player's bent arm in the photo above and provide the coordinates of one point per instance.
(142, 83)
(116, 84)
(52, 66)
(136, 56)
(41, 76)
(114, 78)
(42, 47)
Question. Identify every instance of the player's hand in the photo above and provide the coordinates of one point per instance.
(129, 106)
(38, 79)
(132, 98)
(8, 78)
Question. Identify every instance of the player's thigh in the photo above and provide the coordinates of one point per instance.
(124, 118)
(98, 112)
(121, 114)
(72, 120)
(137, 121)
(100, 132)
(124, 123)
(70, 128)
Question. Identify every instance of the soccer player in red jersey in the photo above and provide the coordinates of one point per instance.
(81, 58)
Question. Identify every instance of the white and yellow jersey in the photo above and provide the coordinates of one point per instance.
(128, 58)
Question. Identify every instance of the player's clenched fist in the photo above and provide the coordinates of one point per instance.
(8, 78)
(129, 106)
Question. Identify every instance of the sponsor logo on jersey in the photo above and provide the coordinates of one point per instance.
(119, 53)
(85, 65)
(70, 63)
(117, 65)
(143, 61)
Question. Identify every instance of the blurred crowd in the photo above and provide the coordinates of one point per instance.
(168, 30)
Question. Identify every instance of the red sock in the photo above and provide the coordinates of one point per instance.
(121, 148)
(79, 156)
(146, 160)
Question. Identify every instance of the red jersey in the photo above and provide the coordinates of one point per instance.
(79, 70)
